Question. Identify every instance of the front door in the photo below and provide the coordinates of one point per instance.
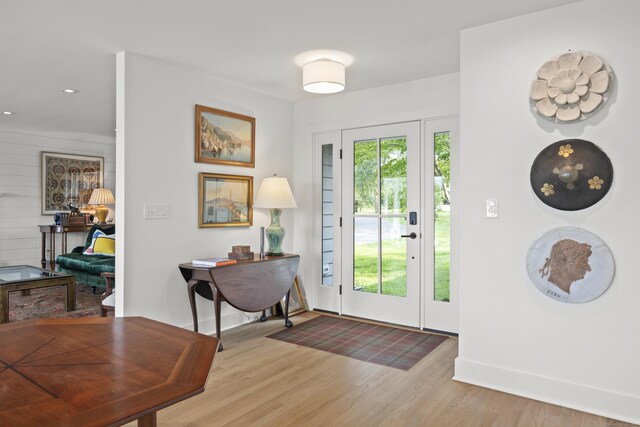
(382, 223)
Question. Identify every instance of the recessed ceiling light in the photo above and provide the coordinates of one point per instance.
(69, 90)
(8, 113)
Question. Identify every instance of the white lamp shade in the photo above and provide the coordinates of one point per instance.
(101, 196)
(274, 192)
(323, 76)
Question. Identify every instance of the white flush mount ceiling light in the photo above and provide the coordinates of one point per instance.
(8, 113)
(69, 90)
(323, 76)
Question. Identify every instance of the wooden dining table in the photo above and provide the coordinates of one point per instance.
(98, 371)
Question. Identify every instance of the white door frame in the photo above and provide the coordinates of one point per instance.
(326, 297)
(329, 298)
(436, 315)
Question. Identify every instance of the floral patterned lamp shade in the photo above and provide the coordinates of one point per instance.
(571, 86)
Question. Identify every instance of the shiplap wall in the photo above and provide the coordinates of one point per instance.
(20, 205)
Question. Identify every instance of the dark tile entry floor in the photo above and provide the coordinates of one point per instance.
(384, 345)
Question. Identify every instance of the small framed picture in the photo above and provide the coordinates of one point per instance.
(224, 200)
(297, 303)
(224, 138)
(68, 180)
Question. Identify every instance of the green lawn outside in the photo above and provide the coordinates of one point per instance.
(394, 275)
(394, 271)
(442, 254)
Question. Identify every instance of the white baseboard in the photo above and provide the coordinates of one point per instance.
(581, 397)
(228, 320)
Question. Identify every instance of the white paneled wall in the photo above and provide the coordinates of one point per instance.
(20, 192)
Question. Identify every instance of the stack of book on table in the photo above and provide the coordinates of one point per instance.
(212, 262)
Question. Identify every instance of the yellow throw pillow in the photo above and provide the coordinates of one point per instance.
(104, 245)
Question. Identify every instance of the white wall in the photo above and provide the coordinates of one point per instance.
(20, 189)
(156, 121)
(415, 100)
(512, 337)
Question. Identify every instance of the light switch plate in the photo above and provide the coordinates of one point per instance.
(493, 210)
(156, 211)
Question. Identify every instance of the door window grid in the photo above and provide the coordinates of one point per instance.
(380, 204)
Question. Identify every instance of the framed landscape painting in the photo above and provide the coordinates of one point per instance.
(68, 180)
(224, 138)
(225, 200)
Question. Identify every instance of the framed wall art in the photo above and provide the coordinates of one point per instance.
(68, 180)
(224, 200)
(224, 138)
(571, 86)
(571, 174)
(571, 265)
(297, 303)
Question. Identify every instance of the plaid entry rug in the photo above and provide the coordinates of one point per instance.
(384, 345)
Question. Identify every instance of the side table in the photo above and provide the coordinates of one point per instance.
(25, 277)
(250, 285)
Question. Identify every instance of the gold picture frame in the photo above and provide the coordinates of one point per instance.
(224, 138)
(68, 179)
(225, 200)
(297, 302)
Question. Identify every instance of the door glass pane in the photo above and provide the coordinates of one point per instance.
(365, 254)
(393, 175)
(365, 177)
(442, 213)
(327, 215)
(394, 257)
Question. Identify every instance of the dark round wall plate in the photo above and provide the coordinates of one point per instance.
(571, 174)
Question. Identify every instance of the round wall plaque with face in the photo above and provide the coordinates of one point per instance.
(570, 264)
(571, 174)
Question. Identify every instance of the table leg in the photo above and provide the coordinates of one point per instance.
(64, 242)
(52, 251)
(288, 323)
(70, 303)
(191, 288)
(264, 317)
(4, 305)
(43, 260)
(149, 420)
(218, 307)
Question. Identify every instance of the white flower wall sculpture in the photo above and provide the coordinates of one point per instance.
(570, 87)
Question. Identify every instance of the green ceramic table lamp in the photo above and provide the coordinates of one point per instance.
(275, 194)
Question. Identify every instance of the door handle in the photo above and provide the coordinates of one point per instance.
(412, 235)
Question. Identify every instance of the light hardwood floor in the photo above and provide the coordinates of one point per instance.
(257, 381)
